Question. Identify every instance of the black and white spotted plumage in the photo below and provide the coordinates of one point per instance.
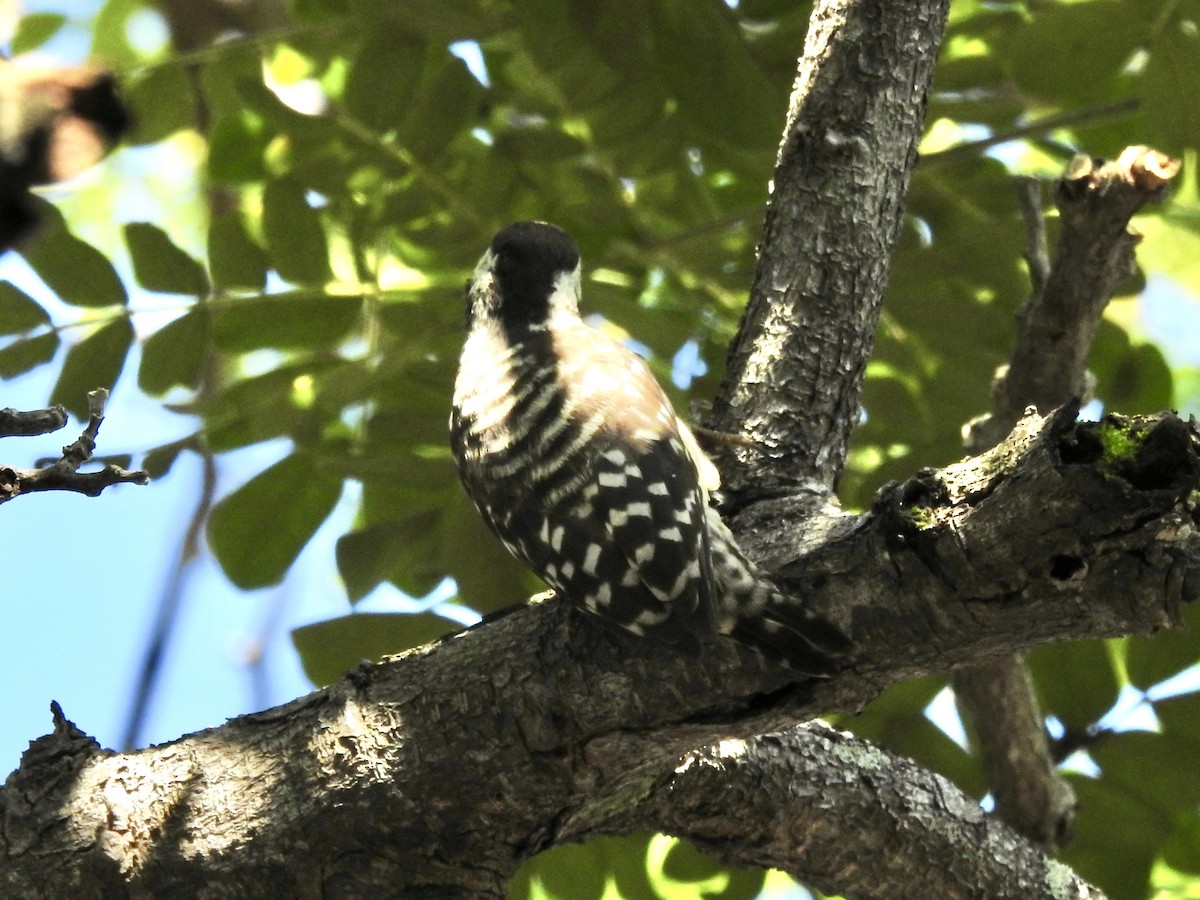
(573, 455)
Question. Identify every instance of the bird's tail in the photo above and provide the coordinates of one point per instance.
(752, 610)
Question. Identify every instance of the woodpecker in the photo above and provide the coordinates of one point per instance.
(574, 457)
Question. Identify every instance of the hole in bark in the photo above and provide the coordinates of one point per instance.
(1080, 447)
(923, 489)
(1064, 568)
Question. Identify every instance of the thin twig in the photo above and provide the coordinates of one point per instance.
(169, 603)
(1049, 123)
(1037, 248)
(63, 474)
(170, 600)
(28, 423)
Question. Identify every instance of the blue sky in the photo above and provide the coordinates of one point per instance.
(80, 600)
(77, 605)
(76, 611)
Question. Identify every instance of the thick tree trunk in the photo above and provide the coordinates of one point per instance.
(793, 379)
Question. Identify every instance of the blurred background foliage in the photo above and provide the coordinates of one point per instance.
(328, 171)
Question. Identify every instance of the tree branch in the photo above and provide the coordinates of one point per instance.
(63, 474)
(475, 754)
(794, 373)
(1038, 127)
(1054, 335)
(1006, 723)
(1096, 201)
(1037, 246)
(788, 800)
(27, 423)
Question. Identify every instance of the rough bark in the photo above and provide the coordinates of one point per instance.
(756, 803)
(436, 774)
(1095, 200)
(793, 378)
(26, 423)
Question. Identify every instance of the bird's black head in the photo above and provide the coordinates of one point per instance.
(530, 270)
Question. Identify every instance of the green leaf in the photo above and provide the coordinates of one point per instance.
(439, 21)
(744, 884)
(627, 861)
(257, 532)
(328, 649)
(293, 320)
(1131, 378)
(1159, 770)
(898, 722)
(95, 362)
(407, 550)
(969, 73)
(158, 462)
(687, 864)
(1055, 54)
(320, 10)
(895, 408)
(1182, 851)
(159, 264)
(383, 77)
(1172, 83)
(607, 866)
(174, 355)
(236, 147)
(18, 311)
(34, 30)
(19, 357)
(1140, 382)
(573, 871)
(896, 706)
(75, 270)
(164, 100)
(1180, 715)
(236, 261)
(519, 886)
(447, 104)
(124, 460)
(703, 58)
(295, 238)
(111, 33)
(368, 557)
(1149, 660)
(487, 576)
(1116, 838)
(265, 406)
(1076, 681)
